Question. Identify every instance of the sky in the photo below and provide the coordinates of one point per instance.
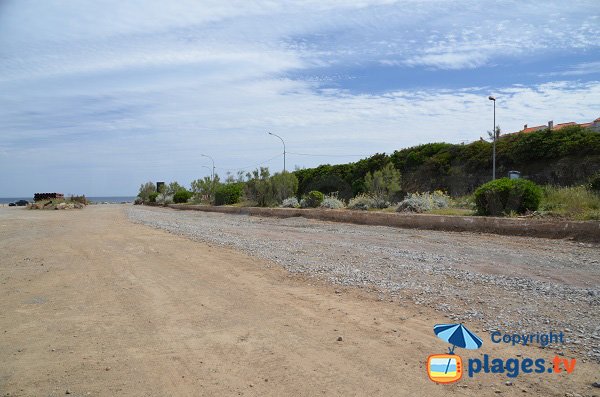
(97, 97)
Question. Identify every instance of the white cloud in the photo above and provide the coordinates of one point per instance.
(577, 70)
(135, 90)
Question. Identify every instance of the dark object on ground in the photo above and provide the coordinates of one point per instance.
(47, 196)
(21, 203)
(12, 204)
(595, 182)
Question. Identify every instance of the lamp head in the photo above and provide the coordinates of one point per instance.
(491, 98)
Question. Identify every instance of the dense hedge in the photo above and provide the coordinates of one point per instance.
(439, 165)
(503, 196)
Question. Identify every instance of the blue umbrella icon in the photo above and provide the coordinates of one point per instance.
(457, 335)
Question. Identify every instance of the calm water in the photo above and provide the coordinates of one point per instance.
(108, 199)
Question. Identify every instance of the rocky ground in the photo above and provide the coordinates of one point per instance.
(511, 284)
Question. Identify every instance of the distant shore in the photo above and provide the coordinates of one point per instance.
(97, 200)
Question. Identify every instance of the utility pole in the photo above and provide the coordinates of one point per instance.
(491, 98)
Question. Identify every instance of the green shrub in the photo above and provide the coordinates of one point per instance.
(362, 202)
(152, 197)
(290, 202)
(182, 196)
(313, 199)
(332, 202)
(504, 196)
(424, 202)
(229, 193)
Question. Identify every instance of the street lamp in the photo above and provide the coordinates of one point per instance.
(491, 98)
(213, 165)
(270, 133)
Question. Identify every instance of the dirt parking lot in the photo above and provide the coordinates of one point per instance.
(94, 304)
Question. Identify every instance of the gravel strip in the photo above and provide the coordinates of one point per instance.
(510, 284)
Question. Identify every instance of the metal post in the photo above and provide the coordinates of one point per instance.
(270, 133)
(491, 98)
(213, 165)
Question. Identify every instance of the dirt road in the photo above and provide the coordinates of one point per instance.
(92, 304)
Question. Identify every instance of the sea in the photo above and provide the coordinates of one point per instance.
(107, 199)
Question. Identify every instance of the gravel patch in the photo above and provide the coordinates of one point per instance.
(510, 284)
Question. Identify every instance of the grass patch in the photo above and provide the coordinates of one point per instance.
(452, 211)
(575, 202)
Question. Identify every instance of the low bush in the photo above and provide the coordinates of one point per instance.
(332, 202)
(312, 200)
(229, 193)
(424, 202)
(152, 197)
(182, 196)
(79, 199)
(504, 196)
(290, 202)
(362, 202)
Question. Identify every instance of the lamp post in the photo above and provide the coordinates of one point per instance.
(270, 133)
(213, 165)
(491, 98)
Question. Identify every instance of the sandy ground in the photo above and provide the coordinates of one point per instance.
(92, 304)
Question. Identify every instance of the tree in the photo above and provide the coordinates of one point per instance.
(204, 189)
(259, 187)
(173, 188)
(285, 184)
(162, 194)
(491, 136)
(145, 190)
(383, 184)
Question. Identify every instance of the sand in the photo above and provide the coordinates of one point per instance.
(92, 304)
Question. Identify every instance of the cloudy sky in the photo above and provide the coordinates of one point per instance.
(99, 96)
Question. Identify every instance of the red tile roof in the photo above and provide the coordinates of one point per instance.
(561, 125)
(557, 126)
(533, 129)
